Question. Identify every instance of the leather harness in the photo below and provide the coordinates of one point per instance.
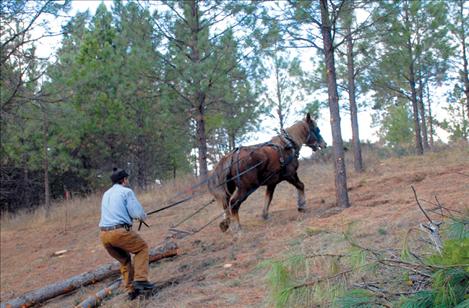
(290, 144)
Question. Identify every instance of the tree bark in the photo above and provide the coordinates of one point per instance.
(415, 111)
(339, 163)
(95, 299)
(411, 79)
(465, 71)
(430, 118)
(46, 161)
(357, 150)
(202, 139)
(141, 153)
(40, 295)
(26, 185)
(199, 95)
(422, 112)
(231, 141)
(280, 111)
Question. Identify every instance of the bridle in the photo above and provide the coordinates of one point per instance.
(313, 136)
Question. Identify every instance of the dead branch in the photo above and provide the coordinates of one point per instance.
(35, 297)
(322, 279)
(420, 206)
(433, 229)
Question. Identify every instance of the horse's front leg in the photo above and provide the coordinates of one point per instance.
(269, 193)
(300, 188)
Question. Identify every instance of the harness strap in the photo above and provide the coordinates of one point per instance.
(289, 140)
(279, 150)
(284, 162)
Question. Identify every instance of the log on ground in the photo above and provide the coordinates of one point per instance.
(38, 296)
(95, 300)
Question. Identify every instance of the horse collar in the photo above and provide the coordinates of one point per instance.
(289, 141)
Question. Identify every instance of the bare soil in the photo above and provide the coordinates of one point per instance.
(215, 269)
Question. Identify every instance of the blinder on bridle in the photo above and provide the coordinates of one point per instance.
(314, 139)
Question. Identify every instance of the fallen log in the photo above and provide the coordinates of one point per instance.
(95, 299)
(35, 297)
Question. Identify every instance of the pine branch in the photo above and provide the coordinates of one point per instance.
(319, 280)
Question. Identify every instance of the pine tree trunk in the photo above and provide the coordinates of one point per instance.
(422, 113)
(338, 147)
(357, 151)
(46, 162)
(464, 57)
(430, 118)
(199, 97)
(411, 78)
(415, 110)
(280, 112)
(202, 140)
(231, 141)
(24, 183)
(140, 159)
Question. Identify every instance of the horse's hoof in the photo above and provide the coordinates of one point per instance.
(236, 228)
(224, 226)
(265, 216)
(302, 210)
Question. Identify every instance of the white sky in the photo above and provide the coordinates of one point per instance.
(367, 132)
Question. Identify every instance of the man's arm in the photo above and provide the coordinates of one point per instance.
(136, 210)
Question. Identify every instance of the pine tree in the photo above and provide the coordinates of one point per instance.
(460, 28)
(414, 34)
(195, 60)
(21, 75)
(313, 24)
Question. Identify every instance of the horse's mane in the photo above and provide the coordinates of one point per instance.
(297, 132)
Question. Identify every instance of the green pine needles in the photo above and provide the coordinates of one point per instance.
(365, 277)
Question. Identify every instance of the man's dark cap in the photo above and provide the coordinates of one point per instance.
(118, 174)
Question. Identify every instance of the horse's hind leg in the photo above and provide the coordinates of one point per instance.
(235, 202)
(269, 193)
(300, 188)
(225, 223)
(225, 200)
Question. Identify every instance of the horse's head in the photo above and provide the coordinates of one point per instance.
(314, 139)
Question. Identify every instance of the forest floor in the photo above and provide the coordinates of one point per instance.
(215, 269)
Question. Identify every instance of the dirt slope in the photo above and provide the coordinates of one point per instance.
(383, 208)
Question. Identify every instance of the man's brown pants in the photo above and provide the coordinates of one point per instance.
(119, 244)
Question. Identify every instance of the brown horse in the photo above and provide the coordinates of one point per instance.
(243, 170)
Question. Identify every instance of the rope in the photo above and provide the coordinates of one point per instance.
(193, 214)
(212, 220)
(190, 197)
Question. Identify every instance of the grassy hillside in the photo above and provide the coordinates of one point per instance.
(383, 209)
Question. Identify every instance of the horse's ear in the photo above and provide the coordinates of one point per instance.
(308, 118)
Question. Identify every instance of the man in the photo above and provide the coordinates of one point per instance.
(118, 208)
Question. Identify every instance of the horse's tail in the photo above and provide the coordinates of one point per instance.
(218, 181)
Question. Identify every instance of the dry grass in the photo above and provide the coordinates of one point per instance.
(382, 210)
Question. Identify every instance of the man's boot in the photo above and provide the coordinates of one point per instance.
(143, 285)
(133, 294)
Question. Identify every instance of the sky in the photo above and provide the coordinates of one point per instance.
(367, 131)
